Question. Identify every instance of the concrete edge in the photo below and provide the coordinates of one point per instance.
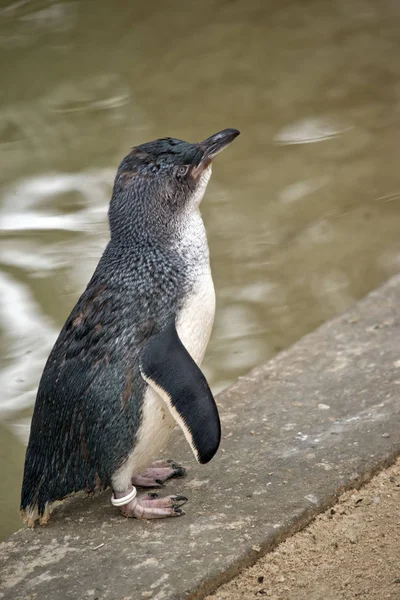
(303, 521)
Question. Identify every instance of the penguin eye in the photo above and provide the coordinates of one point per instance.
(182, 170)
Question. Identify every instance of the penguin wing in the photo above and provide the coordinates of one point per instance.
(168, 368)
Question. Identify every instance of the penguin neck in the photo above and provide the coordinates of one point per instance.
(185, 240)
(190, 242)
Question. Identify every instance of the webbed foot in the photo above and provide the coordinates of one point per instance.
(158, 473)
(151, 506)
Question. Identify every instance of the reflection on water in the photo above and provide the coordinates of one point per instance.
(32, 207)
(309, 131)
(302, 212)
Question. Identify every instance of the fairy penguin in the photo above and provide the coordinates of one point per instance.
(125, 367)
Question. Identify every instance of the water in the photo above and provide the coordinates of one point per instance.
(302, 211)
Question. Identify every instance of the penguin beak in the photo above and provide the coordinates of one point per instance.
(213, 146)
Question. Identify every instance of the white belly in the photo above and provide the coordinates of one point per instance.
(156, 427)
(194, 325)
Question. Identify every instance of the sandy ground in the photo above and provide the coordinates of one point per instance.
(350, 552)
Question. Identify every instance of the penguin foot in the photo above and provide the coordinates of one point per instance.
(151, 506)
(158, 473)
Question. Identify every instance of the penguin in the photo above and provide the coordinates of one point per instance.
(125, 368)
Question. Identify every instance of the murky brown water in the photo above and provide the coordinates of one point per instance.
(302, 211)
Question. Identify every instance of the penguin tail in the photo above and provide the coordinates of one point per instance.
(35, 502)
(47, 482)
(31, 517)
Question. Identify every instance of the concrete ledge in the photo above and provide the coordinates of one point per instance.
(319, 418)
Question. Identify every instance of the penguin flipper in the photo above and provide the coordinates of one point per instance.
(168, 368)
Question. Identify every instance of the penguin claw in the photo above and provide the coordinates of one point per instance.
(158, 473)
(178, 511)
(151, 506)
(179, 498)
(179, 471)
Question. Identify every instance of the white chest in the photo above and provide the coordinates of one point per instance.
(195, 320)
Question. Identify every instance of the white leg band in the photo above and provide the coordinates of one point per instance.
(125, 499)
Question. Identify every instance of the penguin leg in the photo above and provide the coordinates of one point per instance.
(158, 473)
(151, 506)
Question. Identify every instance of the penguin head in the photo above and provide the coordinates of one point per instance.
(159, 182)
